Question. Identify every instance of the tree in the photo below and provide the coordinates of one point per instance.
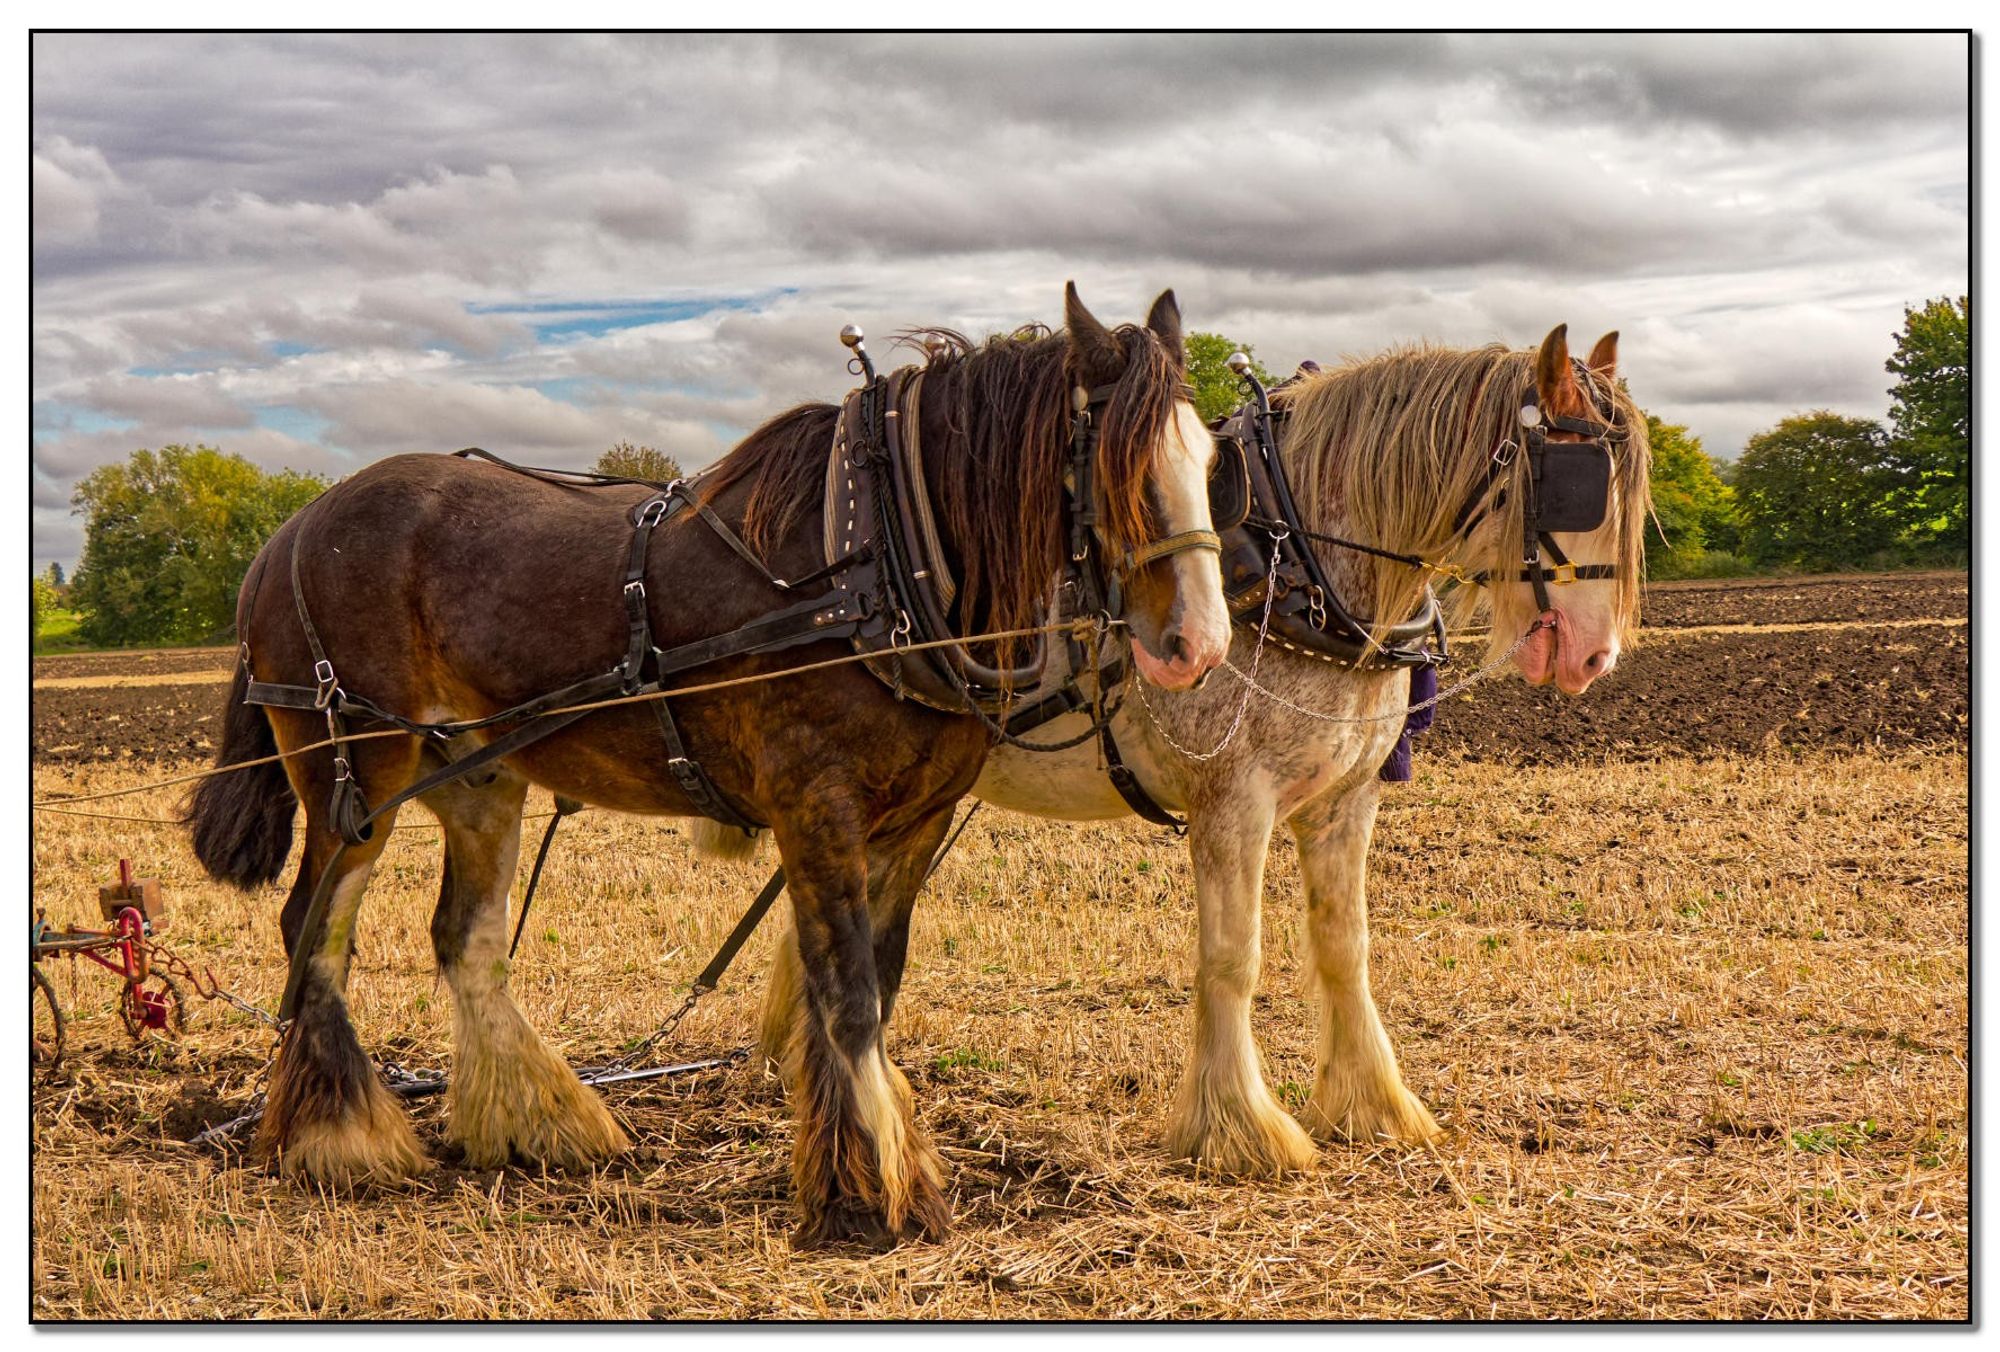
(1696, 510)
(627, 461)
(1930, 409)
(168, 536)
(56, 575)
(1217, 389)
(42, 600)
(1818, 490)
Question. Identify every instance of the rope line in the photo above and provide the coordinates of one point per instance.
(1081, 628)
(175, 821)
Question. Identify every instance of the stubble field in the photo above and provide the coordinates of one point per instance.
(1682, 966)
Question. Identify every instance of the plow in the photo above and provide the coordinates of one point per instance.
(150, 1003)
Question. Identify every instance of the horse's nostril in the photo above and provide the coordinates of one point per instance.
(1178, 649)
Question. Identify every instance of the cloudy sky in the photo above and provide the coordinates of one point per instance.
(317, 252)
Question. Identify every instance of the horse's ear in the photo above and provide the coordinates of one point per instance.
(1552, 367)
(1097, 354)
(1604, 357)
(1164, 319)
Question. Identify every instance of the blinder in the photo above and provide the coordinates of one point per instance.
(1572, 486)
(1568, 491)
(1228, 485)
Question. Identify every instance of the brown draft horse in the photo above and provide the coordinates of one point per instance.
(446, 589)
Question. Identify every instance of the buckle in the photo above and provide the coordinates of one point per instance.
(329, 685)
(341, 771)
(655, 510)
(1555, 574)
(635, 590)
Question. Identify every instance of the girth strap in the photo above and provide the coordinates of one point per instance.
(1131, 790)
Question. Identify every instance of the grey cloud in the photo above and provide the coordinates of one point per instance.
(1752, 211)
(64, 204)
(394, 417)
(1753, 83)
(192, 401)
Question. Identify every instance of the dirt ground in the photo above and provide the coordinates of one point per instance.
(1894, 674)
(1690, 997)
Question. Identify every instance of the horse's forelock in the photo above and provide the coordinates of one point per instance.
(1132, 440)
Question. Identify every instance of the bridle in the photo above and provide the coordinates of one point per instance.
(1103, 589)
(1567, 488)
(875, 476)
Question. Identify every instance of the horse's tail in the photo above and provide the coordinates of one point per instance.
(725, 842)
(242, 820)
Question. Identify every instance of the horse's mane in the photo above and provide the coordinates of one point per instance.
(997, 417)
(1386, 450)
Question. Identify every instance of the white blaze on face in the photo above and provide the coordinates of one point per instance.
(1200, 616)
(1584, 644)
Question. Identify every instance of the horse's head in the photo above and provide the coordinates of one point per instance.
(1590, 591)
(1151, 489)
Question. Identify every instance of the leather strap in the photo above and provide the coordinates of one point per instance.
(1138, 558)
(565, 806)
(1131, 790)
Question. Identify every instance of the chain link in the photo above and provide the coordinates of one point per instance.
(653, 1039)
(1256, 661)
(1250, 684)
(204, 982)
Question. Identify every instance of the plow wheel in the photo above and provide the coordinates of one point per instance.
(46, 1028)
(154, 1006)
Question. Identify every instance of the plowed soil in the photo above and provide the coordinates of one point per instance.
(1850, 689)
(1794, 600)
(1878, 682)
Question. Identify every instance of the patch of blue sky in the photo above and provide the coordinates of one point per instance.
(569, 389)
(297, 423)
(283, 347)
(568, 320)
(53, 420)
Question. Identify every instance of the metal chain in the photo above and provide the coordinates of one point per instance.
(1250, 684)
(204, 982)
(654, 1038)
(1256, 660)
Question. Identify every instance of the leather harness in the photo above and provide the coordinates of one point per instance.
(887, 587)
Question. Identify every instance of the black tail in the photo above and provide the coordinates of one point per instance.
(242, 820)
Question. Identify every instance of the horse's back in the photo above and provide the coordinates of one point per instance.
(507, 581)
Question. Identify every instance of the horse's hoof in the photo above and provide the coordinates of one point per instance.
(1392, 1115)
(846, 1225)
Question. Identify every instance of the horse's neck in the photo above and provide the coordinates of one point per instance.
(1348, 571)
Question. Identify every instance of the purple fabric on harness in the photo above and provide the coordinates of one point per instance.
(1423, 686)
